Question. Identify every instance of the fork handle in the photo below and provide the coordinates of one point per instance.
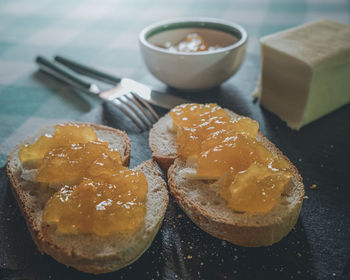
(63, 75)
(88, 71)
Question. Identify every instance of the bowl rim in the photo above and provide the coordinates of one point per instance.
(199, 22)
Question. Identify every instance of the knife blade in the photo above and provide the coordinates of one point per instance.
(161, 99)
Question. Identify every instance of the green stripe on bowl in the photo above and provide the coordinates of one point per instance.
(205, 25)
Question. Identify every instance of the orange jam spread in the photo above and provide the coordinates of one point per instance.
(192, 43)
(99, 195)
(102, 206)
(68, 164)
(222, 147)
(64, 135)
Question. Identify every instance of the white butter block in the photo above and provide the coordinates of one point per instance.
(305, 71)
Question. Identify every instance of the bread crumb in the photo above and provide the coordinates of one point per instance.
(299, 254)
(179, 216)
(314, 186)
(305, 197)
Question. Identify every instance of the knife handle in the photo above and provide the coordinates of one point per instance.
(65, 75)
(88, 71)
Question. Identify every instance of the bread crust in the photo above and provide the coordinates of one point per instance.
(209, 210)
(90, 253)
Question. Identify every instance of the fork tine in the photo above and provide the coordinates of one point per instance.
(142, 117)
(119, 104)
(147, 105)
(148, 115)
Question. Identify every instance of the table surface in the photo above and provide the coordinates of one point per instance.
(104, 34)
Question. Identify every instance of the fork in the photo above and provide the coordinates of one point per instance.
(129, 102)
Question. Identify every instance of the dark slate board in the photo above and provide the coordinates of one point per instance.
(318, 247)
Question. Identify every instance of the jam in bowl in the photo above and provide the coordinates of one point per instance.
(193, 53)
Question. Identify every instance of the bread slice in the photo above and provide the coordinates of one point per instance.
(162, 142)
(209, 210)
(88, 252)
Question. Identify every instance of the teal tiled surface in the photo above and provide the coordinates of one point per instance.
(9, 124)
(34, 98)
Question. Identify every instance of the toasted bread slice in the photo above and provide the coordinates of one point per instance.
(88, 252)
(209, 210)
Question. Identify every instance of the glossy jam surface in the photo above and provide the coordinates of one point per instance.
(69, 164)
(222, 147)
(64, 135)
(100, 206)
(193, 42)
(98, 194)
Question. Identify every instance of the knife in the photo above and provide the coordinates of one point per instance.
(122, 85)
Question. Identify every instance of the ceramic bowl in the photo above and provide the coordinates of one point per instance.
(193, 70)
